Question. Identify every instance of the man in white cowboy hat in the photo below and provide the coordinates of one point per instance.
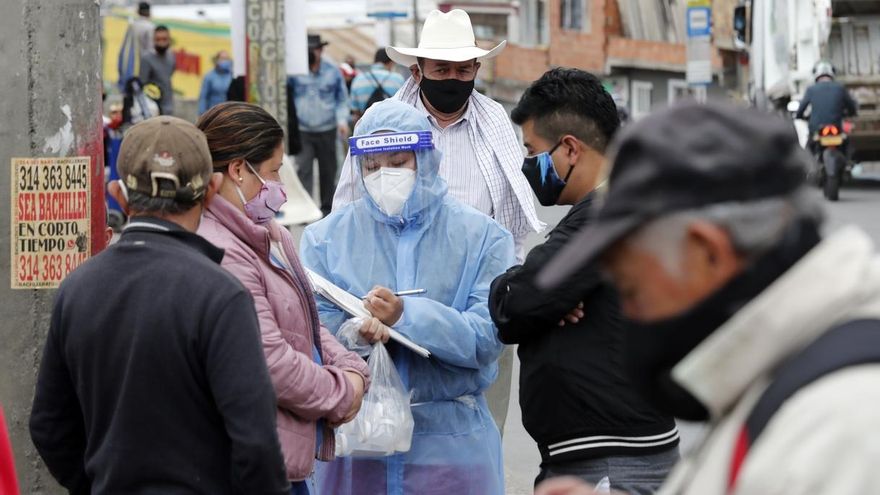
(482, 157)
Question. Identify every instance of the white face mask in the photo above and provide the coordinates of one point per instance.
(390, 188)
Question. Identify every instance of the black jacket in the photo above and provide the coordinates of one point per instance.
(573, 388)
(830, 102)
(153, 378)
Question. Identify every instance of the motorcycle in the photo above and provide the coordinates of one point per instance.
(831, 162)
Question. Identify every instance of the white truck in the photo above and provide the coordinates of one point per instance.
(785, 39)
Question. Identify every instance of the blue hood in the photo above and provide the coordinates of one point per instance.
(430, 188)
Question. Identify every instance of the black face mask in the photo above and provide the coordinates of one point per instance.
(653, 349)
(161, 49)
(542, 176)
(446, 95)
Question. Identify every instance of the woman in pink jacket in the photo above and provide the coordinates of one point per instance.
(318, 383)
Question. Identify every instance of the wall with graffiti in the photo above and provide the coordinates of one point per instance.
(194, 45)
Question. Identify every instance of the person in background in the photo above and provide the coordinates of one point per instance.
(318, 383)
(481, 153)
(216, 83)
(322, 109)
(574, 393)
(159, 386)
(377, 83)
(158, 66)
(139, 103)
(143, 28)
(406, 232)
(349, 71)
(739, 311)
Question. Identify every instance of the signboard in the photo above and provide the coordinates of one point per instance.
(386, 8)
(266, 75)
(699, 42)
(51, 224)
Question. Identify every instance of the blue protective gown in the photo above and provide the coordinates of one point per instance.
(453, 251)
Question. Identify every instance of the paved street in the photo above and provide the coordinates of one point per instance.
(859, 204)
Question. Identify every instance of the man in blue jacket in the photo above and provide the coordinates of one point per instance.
(322, 108)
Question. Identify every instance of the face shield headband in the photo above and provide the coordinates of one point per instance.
(396, 141)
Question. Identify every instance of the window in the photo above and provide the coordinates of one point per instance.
(680, 90)
(533, 27)
(489, 27)
(542, 25)
(575, 15)
(641, 99)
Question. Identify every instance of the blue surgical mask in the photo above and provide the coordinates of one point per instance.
(542, 176)
(224, 66)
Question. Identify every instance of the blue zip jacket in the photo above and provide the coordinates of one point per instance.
(214, 88)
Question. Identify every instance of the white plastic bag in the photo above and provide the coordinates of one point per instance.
(349, 336)
(384, 425)
(603, 487)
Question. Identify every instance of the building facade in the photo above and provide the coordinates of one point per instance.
(637, 47)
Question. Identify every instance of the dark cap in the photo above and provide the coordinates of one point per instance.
(686, 157)
(165, 157)
(316, 42)
(382, 56)
(143, 8)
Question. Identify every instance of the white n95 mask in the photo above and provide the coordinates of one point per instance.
(390, 188)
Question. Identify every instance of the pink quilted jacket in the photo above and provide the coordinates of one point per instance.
(305, 391)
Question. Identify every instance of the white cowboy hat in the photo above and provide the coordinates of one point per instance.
(445, 36)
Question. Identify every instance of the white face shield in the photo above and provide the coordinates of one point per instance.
(387, 162)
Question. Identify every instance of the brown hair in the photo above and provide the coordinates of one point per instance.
(237, 130)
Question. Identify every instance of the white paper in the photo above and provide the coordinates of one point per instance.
(352, 305)
(299, 208)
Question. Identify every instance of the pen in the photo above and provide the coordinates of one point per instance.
(410, 292)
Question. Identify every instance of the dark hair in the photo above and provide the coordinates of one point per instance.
(144, 8)
(161, 27)
(143, 203)
(569, 101)
(381, 56)
(240, 130)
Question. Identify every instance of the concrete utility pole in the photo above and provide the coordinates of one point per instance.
(266, 65)
(51, 89)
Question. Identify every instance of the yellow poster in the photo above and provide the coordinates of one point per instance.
(51, 224)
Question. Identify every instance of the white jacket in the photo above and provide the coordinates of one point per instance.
(826, 438)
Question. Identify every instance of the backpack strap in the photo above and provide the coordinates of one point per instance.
(379, 85)
(851, 344)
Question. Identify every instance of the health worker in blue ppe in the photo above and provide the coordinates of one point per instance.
(405, 233)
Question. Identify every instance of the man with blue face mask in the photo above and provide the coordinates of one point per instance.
(406, 232)
(216, 83)
(576, 400)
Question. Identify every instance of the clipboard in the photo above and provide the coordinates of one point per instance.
(352, 305)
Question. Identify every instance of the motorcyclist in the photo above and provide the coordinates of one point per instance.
(830, 101)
